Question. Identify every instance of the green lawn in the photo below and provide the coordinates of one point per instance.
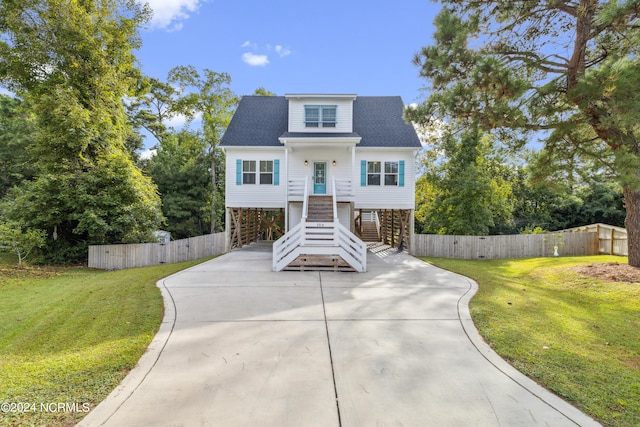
(577, 336)
(71, 334)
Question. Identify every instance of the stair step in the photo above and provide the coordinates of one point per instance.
(369, 232)
(320, 209)
(319, 263)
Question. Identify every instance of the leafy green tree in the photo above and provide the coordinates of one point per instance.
(464, 193)
(263, 92)
(209, 97)
(566, 67)
(17, 131)
(153, 106)
(602, 202)
(180, 169)
(73, 62)
(15, 238)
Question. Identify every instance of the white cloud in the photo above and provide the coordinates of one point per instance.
(255, 60)
(146, 155)
(282, 51)
(249, 44)
(259, 59)
(180, 120)
(165, 12)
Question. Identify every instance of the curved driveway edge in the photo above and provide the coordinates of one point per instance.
(241, 345)
(103, 412)
(571, 412)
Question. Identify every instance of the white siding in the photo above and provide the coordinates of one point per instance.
(344, 215)
(344, 114)
(255, 195)
(367, 197)
(341, 155)
(295, 214)
(386, 197)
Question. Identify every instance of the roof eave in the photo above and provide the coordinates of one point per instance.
(351, 96)
(320, 140)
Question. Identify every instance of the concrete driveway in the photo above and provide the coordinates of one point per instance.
(241, 345)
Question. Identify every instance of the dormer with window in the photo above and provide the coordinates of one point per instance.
(312, 113)
(320, 116)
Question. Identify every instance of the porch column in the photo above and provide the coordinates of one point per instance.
(354, 173)
(286, 183)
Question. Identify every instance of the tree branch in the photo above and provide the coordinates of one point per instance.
(534, 59)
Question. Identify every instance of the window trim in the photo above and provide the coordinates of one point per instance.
(266, 173)
(372, 175)
(395, 174)
(247, 174)
(321, 121)
(365, 174)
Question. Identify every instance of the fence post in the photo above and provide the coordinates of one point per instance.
(613, 236)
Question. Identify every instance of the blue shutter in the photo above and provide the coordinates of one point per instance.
(276, 172)
(238, 172)
(363, 173)
(401, 174)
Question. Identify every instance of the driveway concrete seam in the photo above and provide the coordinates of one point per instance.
(333, 372)
(337, 319)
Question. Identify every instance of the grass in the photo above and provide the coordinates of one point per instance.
(71, 334)
(575, 335)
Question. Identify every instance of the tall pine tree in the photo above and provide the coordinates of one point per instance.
(570, 68)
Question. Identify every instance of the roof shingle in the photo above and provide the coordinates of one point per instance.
(260, 120)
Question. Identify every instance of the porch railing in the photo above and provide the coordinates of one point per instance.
(295, 188)
(316, 238)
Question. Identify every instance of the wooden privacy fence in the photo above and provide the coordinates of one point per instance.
(612, 240)
(507, 246)
(117, 257)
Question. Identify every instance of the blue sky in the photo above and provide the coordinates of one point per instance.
(294, 46)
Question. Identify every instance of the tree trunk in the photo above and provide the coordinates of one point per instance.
(632, 223)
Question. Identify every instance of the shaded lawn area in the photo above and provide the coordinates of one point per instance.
(576, 335)
(71, 334)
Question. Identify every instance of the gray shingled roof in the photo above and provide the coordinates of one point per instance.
(261, 120)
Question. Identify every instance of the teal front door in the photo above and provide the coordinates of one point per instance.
(319, 178)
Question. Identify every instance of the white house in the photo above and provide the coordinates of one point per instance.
(321, 172)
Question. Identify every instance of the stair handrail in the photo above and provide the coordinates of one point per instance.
(355, 250)
(286, 245)
(349, 246)
(305, 199)
(335, 203)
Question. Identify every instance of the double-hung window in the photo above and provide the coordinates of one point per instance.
(373, 173)
(266, 171)
(381, 173)
(390, 173)
(248, 171)
(320, 116)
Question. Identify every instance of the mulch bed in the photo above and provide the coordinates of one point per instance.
(611, 272)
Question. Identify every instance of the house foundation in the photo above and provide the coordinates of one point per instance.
(393, 227)
(248, 225)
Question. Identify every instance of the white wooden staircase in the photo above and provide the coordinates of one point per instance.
(319, 241)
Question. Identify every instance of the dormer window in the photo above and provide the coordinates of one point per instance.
(320, 116)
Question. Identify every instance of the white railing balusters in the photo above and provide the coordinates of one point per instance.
(335, 201)
(320, 238)
(305, 200)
